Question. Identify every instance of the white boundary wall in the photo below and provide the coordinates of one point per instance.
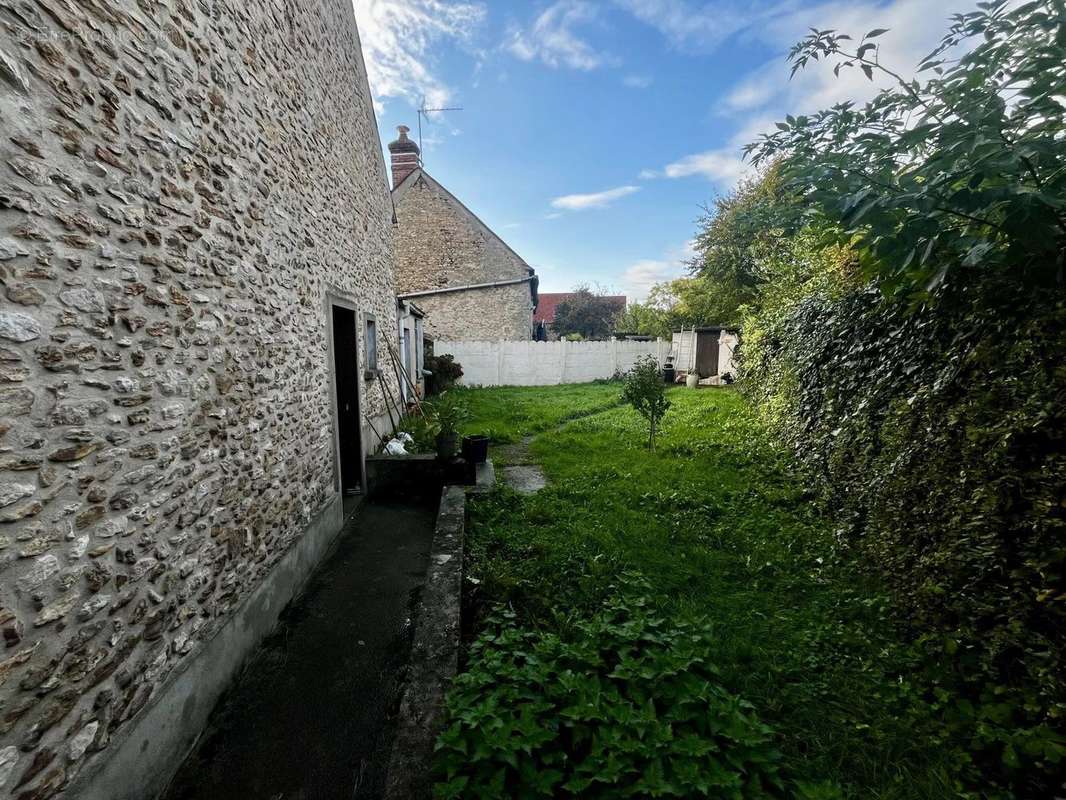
(546, 363)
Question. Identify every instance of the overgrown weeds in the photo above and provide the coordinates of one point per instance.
(722, 533)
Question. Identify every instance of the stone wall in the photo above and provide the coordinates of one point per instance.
(439, 243)
(500, 312)
(182, 182)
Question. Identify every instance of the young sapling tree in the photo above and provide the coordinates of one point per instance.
(646, 392)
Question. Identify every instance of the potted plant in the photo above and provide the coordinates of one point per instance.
(450, 412)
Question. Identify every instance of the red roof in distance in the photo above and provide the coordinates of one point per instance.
(547, 303)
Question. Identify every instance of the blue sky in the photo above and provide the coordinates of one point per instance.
(593, 131)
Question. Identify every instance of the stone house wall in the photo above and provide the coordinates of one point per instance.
(439, 243)
(182, 182)
(500, 312)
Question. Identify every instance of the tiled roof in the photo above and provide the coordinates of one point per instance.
(548, 302)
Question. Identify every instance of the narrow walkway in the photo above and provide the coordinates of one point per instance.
(519, 470)
(516, 464)
(309, 717)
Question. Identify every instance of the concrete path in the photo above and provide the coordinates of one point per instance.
(519, 469)
(309, 717)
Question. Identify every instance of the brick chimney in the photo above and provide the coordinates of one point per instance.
(405, 156)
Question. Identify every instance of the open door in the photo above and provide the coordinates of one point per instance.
(707, 353)
(346, 373)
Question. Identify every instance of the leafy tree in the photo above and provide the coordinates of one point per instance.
(644, 318)
(943, 178)
(683, 301)
(446, 372)
(587, 313)
(697, 301)
(645, 391)
(735, 235)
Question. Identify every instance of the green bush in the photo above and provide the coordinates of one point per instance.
(623, 705)
(445, 372)
(937, 436)
(448, 412)
(934, 425)
(423, 430)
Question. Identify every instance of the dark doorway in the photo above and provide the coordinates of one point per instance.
(707, 353)
(346, 372)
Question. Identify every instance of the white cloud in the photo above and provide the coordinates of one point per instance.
(723, 165)
(637, 81)
(581, 202)
(756, 90)
(702, 26)
(915, 28)
(397, 36)
(641, 275)
(766, 94)
(553, 39)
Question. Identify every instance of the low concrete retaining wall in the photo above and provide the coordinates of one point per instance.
(397, 476)
(434, 656)
(546, 363)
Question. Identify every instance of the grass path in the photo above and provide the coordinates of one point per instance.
(723, 534)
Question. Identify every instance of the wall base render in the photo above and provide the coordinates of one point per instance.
(144, 758)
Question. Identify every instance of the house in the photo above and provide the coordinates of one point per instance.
(471, 285)
(196, 251)
(708, 351)
(544, 316)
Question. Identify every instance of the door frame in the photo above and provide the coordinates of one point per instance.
(336, 297)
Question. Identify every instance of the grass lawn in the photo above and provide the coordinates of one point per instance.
(508, 413)
(705, 574)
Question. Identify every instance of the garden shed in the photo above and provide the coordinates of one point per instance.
(708, 351)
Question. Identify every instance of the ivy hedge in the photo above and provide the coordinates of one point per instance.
(936, 435)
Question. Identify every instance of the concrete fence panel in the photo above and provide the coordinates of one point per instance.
(510, 363)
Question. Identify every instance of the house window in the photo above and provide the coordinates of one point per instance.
(371, 344)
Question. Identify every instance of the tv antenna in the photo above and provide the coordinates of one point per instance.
(425, 112)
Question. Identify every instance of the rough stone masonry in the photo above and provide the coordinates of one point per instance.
(181, 184)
